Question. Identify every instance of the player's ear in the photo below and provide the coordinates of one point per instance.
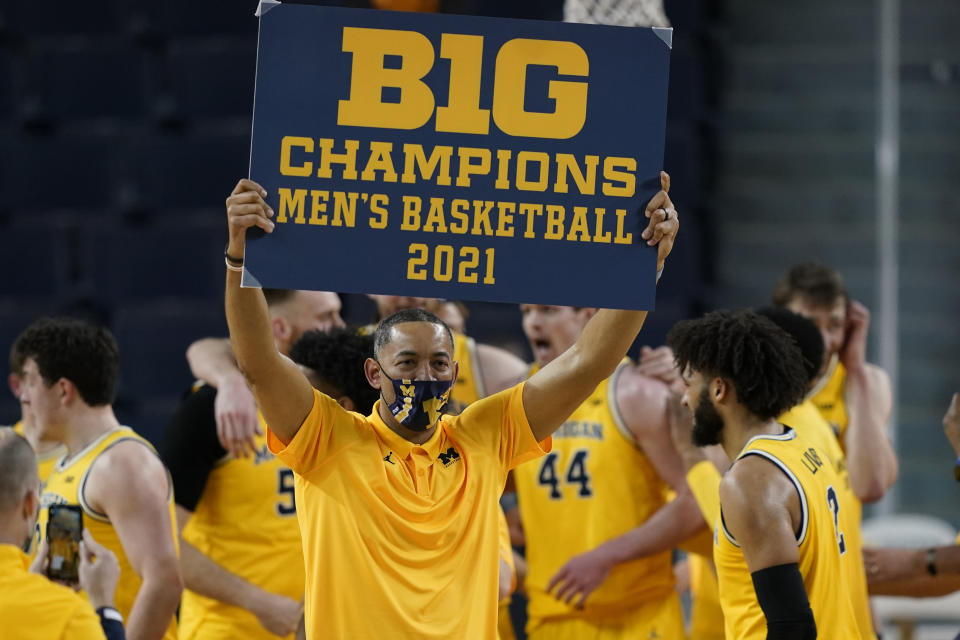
(67, 391)
(31, 504)
(720, 389)
(372, 370)
(281, 329)
(13, 381)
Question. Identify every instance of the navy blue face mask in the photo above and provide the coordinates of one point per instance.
(418, 404)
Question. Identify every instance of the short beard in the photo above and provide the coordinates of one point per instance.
(707, 422)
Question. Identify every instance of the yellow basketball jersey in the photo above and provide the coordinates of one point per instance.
(246, 522)
(821, 542)
(595, 485)
(806, 419)
(65, 486)
(829, 400)
(45, 461)
(469, 385)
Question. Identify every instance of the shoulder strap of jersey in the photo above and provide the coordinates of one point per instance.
(475, 370)
(81, 492)
(614, 408)
(804, 512)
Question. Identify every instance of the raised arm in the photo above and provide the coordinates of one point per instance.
(871, 461)
(282, 392)
(644, 404)
(554, 392)
(211, 360)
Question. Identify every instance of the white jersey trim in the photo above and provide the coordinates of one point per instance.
(81, 490)
(62, 464)
(475, 367)
(804, 512)
(615, 410)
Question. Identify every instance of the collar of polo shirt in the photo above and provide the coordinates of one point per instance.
(400, 445)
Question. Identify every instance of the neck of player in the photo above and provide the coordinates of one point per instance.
(87, 424)
(738, 431)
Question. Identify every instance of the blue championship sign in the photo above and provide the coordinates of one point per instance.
(457, 157)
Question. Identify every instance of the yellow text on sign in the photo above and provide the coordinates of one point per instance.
(369, 76)
(446, 264)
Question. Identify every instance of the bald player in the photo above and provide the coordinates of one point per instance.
(31, 606)
(399, 508)
(292, 313)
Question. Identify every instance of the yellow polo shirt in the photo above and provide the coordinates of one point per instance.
(399, 539)
(34, 608)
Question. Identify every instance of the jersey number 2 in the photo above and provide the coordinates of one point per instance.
(834, 505)
(286, 507)
(576, 474)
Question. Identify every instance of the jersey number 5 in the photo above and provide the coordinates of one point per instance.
(576, 474)
(286, 507)
(834, 505)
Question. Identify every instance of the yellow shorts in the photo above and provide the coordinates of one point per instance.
(662, 620)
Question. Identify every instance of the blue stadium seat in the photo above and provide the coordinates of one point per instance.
(150, 262)
(685, 95)
(32, 18)
(33, 261)
(658, 323)
(190, 171)
(149, 418)
(13, 320)
(6, 85)
(80, 80)
(153, 341)
(682, 160)
(687, 15)
(56, 172)
(212, 79)
(681, 280)
(209, 18)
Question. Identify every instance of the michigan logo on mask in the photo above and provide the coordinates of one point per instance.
(418, 404)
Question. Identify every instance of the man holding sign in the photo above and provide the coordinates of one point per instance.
(474, 159)
(398, 509)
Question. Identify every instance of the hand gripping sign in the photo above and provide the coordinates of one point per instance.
(457, 157)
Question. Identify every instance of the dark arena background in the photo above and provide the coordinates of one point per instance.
(797, 131)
